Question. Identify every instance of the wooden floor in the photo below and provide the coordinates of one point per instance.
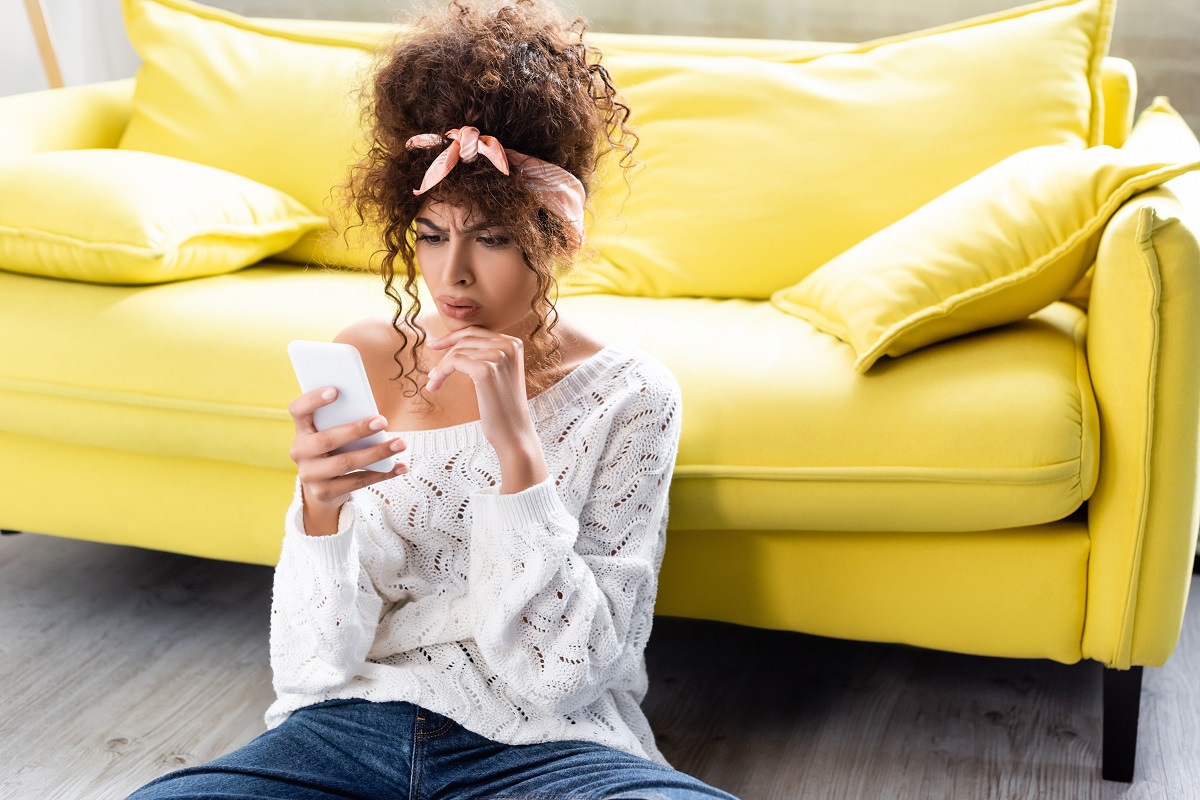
(119, 664)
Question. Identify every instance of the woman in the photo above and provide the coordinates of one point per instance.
(473, 624)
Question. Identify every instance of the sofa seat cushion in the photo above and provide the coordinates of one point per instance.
(995, 429)
(195, 368)
(991, 430)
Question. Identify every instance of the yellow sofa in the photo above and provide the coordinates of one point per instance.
(1029, 490)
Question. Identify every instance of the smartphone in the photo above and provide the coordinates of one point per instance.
(319, 364)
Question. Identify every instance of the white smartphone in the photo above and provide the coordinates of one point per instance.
(319, 364)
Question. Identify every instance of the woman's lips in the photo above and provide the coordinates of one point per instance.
(460, 312)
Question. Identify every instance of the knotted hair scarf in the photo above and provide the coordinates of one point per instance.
(561, 192)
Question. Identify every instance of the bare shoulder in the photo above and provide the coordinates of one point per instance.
(371, 336)
(378, 342)
(579, 345)
(367, 331)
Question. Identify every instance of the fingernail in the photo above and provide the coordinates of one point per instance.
(328, 394)
(397, 444)
(378, 424)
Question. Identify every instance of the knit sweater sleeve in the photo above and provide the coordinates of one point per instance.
(324, 609)
(561, 606)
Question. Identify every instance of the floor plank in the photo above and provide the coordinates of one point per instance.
(120, 664)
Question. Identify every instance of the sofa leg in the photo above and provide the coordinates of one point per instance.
(1122, 697)
(6, 532)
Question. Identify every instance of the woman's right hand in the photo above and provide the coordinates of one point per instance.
(327, 480)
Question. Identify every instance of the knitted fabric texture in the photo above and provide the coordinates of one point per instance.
(524, 617)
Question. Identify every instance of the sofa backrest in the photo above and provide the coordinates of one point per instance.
(652, 259)
(1118, 74)
(95, 114)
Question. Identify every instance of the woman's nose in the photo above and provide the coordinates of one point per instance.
(458, 263)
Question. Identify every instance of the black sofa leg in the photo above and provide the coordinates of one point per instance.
(6, 532)
(1122, 698)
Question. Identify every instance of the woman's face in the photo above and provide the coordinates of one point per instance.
(473, 262)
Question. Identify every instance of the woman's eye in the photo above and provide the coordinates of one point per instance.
(429, 238)
(493, 241)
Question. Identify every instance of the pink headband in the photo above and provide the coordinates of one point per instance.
(563, 193)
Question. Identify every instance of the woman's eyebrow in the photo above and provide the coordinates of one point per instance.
(471, 229)
(429, 224)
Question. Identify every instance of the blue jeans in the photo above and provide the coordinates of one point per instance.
(361, 749)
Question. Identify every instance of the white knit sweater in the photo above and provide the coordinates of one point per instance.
(524, 617)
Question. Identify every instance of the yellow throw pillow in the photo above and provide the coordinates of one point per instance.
(994, 249)
(757, 172)
(1159, 129)
(118, 216)
(271, 104)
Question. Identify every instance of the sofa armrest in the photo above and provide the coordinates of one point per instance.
(1143, 341)
(70, 118)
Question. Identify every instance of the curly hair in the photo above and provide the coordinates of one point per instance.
(516, 70)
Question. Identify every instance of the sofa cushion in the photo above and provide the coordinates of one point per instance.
(990, 431)
(994, 430)
(858, 137)
(273, 105)
(757, 172)
(120, 216)
(193, 368)
(1160, 129)
(991, 250)
(274, 99)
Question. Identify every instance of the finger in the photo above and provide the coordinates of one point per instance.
(471, 331)
(471, 365)
(360, 459)
(314, 444)
(508, 344)
(502, 348)
(302, 407)
(346, 484)
(454, 336)
(388, 449)
(331, 467)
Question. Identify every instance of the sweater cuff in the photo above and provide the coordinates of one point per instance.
(326, 552)
(537, 505)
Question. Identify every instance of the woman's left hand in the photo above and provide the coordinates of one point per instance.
(496, 363)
